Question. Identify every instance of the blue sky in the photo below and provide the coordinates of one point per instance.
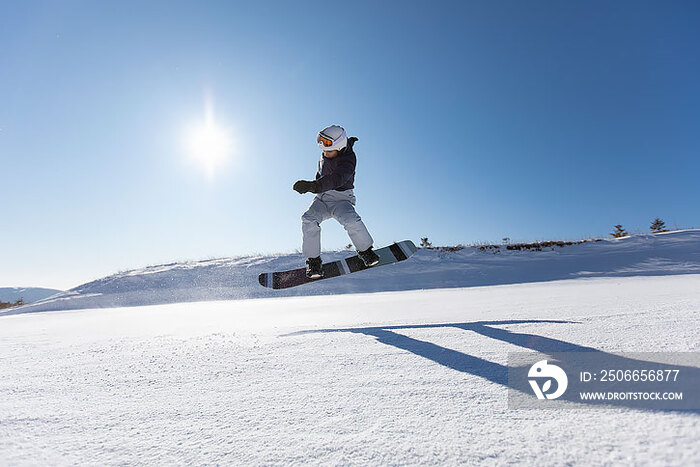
(477, 121)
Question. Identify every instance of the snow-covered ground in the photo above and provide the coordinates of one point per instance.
(28, 294)
(236, 278)
(383, 378)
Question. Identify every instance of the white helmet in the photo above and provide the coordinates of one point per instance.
(331, 138)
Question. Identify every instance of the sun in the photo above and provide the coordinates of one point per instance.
(209, 144)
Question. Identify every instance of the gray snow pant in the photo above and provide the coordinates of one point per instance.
(340, 206)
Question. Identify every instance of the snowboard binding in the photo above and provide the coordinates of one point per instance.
(314, 268)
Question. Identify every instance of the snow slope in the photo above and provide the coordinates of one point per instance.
(28, 294)
(669, 253)
(390, 378)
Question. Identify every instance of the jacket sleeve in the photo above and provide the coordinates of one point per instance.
(318, 171)
(340, 176)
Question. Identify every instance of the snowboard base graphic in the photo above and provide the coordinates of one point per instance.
(388, 255)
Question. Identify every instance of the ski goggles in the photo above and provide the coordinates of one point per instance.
(324, 140)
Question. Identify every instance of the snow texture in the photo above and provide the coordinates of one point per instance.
(387, 378)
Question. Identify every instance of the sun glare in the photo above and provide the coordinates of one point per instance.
(209, 144)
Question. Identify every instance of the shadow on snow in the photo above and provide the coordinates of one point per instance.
(498, 374)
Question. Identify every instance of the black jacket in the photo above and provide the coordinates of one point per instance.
(338, 173)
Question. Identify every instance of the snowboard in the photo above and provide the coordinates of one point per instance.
(388, 255)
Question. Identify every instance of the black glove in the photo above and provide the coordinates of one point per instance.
(304, 186)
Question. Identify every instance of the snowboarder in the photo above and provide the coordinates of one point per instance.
(334, 198)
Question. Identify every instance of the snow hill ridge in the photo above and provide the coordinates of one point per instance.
(665, 253)
(28, 294)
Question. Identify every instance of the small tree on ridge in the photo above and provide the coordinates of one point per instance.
(619, 231)
(658, 226)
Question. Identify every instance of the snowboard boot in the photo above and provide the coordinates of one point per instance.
(313, 268)
(369, 257)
